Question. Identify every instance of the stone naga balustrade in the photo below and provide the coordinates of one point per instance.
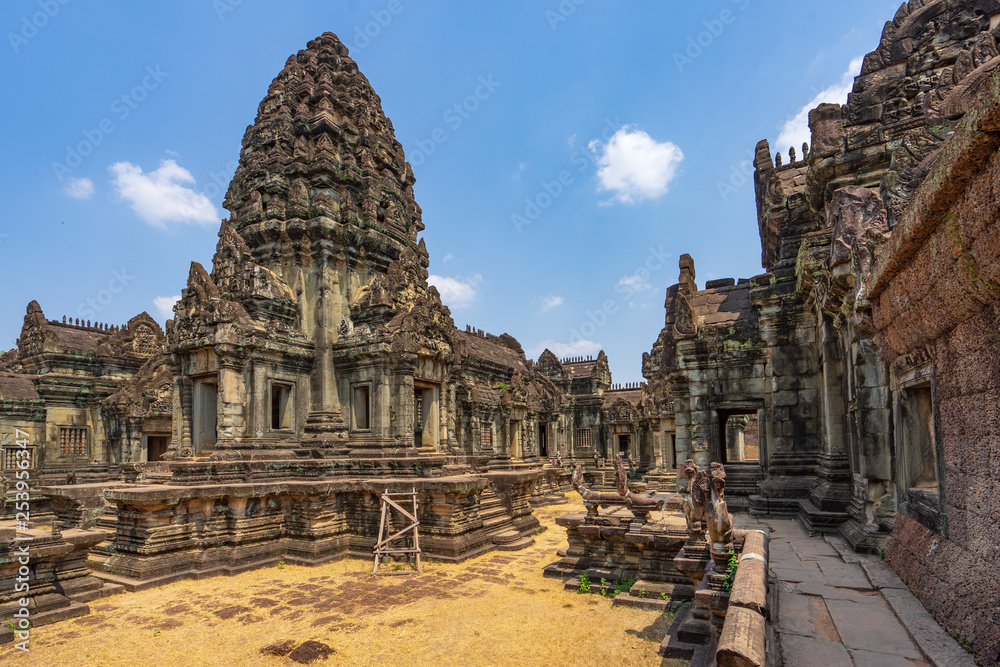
(743, 641)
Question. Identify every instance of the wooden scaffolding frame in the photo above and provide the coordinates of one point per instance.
(384, 545)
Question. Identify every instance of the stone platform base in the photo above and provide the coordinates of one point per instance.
(862, 539)
(672, 646)
(814, 519)
(59, 583)
(169, 533)
(614, 545)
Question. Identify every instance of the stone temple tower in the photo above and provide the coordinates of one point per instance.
(323, 196)
(320, 252)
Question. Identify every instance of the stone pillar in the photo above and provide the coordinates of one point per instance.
(231, 419)
(325, 421)
(832, 492)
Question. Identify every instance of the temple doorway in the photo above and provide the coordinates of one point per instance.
(156, 447)
(624, 446)
(740, 434)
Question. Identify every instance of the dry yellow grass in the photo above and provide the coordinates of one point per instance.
(497, 609)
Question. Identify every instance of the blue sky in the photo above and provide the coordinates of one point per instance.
(566, 153)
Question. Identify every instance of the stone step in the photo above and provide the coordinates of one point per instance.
(656, 604)
(506, 537)
(522, 543)
(72, 610)
(107, 590)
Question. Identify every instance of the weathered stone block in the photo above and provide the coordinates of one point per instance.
(784, 399)
(743, 640)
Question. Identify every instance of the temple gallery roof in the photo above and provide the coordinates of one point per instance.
(15, 387)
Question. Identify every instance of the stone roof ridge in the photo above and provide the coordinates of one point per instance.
(505, 340)
(793, 159)
(578, 360)
(628, 386)
(95, 326)
(479, 333)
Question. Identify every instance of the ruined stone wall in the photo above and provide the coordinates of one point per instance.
(936, 303)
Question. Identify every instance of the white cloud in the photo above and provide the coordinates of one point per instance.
(158, 197)
(578, 349)
(552, 302)
(795, 130)
(165, 305)
(80, 188)
(456, 293)
(635, 166)
(516, 176)
(447, 258)
(634, 284)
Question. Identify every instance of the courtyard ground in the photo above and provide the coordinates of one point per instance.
(497, 609)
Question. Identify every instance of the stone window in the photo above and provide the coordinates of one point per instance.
(362, 407)
(486, 436)
(10, 458)
(206, 415)
(73, 441)
(426, 418)
(583, 438)
(919, 450)
(281, 407)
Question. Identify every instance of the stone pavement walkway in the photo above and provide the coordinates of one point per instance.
(838, 608)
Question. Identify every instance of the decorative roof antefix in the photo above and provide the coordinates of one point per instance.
(141, 338)
(202, 307)
(549, 363)
(147, 394)
(35, 336)
(9, 362)
(238, 277)
(621, 411)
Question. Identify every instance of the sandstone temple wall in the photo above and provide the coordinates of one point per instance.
(937, 307)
